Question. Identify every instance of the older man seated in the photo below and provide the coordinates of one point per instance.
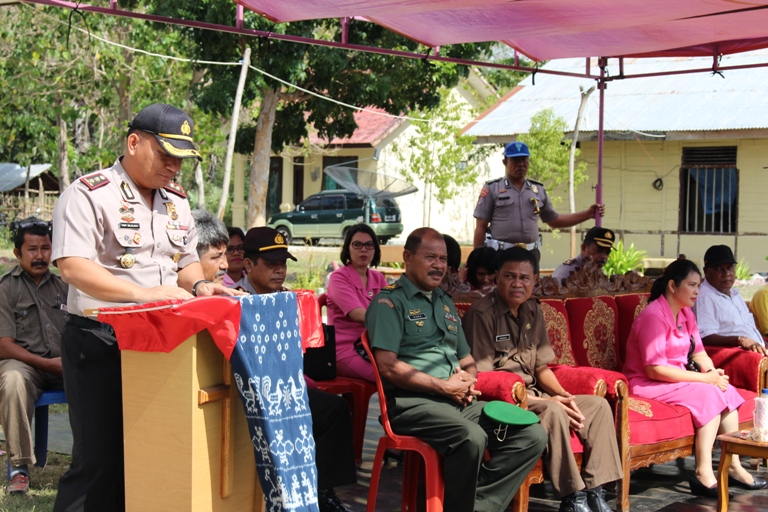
(597, 246)
(212, 239)
(723, 317)
(507, 332)
(429, 376)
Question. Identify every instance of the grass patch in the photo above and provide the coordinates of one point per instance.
(43, 484)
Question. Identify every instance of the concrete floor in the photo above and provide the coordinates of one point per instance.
(662, 487)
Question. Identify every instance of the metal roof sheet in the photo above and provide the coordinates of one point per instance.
(14, 175)
(691, 102)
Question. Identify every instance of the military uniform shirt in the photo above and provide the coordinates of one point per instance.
(33, 314)
(514, 214)
(500, 341)
(565, 268)
(425, 334)
(105, 222)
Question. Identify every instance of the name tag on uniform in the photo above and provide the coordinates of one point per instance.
(502, 198)
(421, 316)
(128, 225)
(503, 337)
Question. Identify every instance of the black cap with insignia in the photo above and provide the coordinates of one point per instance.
(172, 128)
(601, 236)
(267, 243)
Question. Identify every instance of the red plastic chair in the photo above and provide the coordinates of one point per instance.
(358, 394)
(412, 447)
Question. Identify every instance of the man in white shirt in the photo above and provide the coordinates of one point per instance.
(723, 317)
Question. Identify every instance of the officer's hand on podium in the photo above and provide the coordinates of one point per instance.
(204, 289)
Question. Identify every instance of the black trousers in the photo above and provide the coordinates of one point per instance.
(332, 430)
(95, 482)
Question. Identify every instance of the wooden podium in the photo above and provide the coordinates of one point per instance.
(187, 446)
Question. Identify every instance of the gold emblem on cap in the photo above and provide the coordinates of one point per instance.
(176, 257)
(170, 209)
(185, 128)
(279, 240)
(535, 189)
(608, 235)
(127, 260)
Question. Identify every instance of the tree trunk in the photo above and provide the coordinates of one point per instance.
(124, 89)
(572, 164)
(63, 155)
(262, 145)
(200, 182)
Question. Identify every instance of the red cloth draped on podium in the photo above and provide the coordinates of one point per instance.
(162, 326)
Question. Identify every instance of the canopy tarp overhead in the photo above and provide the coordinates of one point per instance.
(554, 29)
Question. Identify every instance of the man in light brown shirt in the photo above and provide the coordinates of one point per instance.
(32, 313)
(122, 235)
(507, 332)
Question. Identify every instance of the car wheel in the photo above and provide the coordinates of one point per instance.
(286, 234)
(383, 240)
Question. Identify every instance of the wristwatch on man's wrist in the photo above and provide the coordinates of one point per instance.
(741, 341)
(194, 286)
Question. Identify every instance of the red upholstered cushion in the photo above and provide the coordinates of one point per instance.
(581, 380)
(594, 331)
(629, 305)
(497, 385)
(651, 421)
(576, 446)
(558, 330)
(747, 410)
(741, 366)
(461, 308)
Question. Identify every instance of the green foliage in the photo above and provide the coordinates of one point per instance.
(621, 260)
(437, 150)
(503, 80)
(550, 152)
(743, 272)
(309, 275)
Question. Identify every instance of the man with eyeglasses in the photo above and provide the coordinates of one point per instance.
(721, 313)
(122, 235)
(33, 307)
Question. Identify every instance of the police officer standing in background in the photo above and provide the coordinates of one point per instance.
(512, 205)
(122, 235)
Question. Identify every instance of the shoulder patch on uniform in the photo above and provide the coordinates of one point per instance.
(391, 286)
(492, 181)
(570, 261)
(383, 300)
(94, 181)
(176, 189)
(535, 182)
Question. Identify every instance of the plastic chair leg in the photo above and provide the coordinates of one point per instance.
(411, 474)
(41, 435)
(378, 462)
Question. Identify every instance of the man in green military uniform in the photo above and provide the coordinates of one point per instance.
(513, 205)
(429, 376)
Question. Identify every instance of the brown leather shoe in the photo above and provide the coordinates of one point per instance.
(19, 484)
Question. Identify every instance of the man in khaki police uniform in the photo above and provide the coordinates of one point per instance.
(507, 332)
(429, 377)
(597, 246)
(512, 205)
(32, 312)
(121, 235)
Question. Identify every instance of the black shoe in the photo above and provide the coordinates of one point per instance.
(699, 489)
(327, 501)
(576, 502)
(596, 500)
(759, 483)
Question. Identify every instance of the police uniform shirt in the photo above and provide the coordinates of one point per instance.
(499, 341)
(33, 315)
(424, 333)
(565, 268)
(514, 214)
(103, 217)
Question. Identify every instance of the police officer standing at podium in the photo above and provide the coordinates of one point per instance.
(122, 235)
(513, 205)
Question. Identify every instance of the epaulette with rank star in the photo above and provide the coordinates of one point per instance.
(535, 182)
(177, 189)
(390, 287)
(570, 261)
(493, 181)
(94, 181)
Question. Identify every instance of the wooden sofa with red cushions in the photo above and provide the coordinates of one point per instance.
(589, 321)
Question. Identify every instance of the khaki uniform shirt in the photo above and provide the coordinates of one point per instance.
(514, 214)
(33, 315)
(104, 222)
(565, 268)
(425, 334)
(499, 341)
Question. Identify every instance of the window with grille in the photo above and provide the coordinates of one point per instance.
(709, 182)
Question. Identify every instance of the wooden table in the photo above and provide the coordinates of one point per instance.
(734, 443)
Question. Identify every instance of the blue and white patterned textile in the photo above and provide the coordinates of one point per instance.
(267, 363)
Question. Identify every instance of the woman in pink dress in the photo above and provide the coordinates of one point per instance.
(662, 337)
(350, 289)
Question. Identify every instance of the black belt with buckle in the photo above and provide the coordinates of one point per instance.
(87, 323)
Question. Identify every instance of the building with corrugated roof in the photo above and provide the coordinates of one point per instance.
(683, 156)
